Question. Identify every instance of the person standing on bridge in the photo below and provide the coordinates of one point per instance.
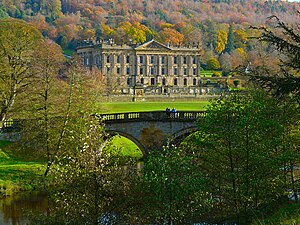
(173, 111)
(168, 111)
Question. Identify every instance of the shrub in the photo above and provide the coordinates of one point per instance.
(236, 83)
(216, 74)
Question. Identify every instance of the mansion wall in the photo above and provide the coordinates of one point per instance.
(152, 66)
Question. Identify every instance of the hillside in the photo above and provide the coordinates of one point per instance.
(173, 21)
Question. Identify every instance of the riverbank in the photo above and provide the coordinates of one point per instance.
(18, 175)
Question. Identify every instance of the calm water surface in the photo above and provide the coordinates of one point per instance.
(13, 208)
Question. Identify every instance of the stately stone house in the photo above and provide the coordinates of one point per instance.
(149, 68)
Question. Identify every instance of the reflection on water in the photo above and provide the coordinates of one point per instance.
(12, 208)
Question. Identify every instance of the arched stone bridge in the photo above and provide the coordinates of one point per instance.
(152, 130)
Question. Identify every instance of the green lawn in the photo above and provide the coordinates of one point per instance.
(116, 107)
(127, 147)
(16, 175)
(208, 73)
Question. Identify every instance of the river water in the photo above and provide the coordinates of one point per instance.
(13, 208)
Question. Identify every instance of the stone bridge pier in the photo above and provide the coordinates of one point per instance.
(152, 130)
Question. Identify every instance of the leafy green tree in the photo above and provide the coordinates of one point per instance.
(171, 189)
(213, 64)
(90, 181)
(18, 47)
(55, 6)
(242, 149)
(3, 14)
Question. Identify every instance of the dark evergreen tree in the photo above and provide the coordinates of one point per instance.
(230, 42)
(98, 33)
(287, 42)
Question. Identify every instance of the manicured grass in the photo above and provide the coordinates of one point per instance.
(208, 73)
(117, 107)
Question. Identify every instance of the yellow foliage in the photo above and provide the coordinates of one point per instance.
(240, 38)
(222, 38)
(166, 25)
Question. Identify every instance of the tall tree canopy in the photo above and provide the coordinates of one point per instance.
(18, 47)
(287, 41)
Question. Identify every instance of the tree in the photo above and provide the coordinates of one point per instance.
(171, 189)
(212, 64)
(47, 93)
(242, 148)
(135, 32)
(225, 62)
(230, 43)
(18, 47)
(240, 38)
(222, 39)
(287, 43)
(90, 182)
(55, 9)
(59, 98)
(170, 35)
(3, 14)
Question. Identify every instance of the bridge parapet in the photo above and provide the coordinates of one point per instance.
(10, 126)
(188, 116)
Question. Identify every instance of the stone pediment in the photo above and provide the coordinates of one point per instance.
(152, 45)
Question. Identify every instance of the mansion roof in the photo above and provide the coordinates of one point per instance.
(150, 45)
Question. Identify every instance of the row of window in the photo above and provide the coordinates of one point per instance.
(152, 59)
(163, 71)
(164, 82)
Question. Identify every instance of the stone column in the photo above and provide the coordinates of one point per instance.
(158, 68)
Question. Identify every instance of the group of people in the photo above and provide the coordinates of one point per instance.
(171, 112)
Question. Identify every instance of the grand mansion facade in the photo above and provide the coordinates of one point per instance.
(149, 68)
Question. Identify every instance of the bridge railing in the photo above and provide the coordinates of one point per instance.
(10, 126)
(151, 116)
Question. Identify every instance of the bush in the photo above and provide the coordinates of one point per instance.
(236, 83)
(225, 73)
(213, 64)
(216, 74)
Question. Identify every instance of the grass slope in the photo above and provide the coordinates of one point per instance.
(17, 175)
(127, 147)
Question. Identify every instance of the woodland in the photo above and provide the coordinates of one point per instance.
(222, 27)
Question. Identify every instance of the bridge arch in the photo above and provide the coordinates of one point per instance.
(179, 136)
(131, 138)
(152, 130)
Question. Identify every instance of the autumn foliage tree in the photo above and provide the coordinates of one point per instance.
(287, 42)
(170, 35)
(222, 38)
